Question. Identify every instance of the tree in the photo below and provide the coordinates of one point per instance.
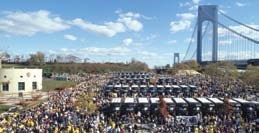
(226, 70)
(85, 102)
(163, 108)
(71, 58)
(136, 65)
(37, 59)
(6, 57)
(59, 59)
(17, 59)
(251, 76)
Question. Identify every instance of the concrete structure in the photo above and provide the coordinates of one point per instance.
(19, 81)
(176, 58)
(208, 13)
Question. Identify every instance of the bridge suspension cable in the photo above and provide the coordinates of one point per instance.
(250, 27)
(235, 32)
(193, 33)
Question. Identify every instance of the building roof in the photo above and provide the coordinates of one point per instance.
(154, 100)
(168, 100)
(216, 100)
(116, 100)
(179, 100)
(203, 100)
(142, 100)
(129, 100)
(191, 100)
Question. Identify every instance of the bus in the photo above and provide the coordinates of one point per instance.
(152, 89)
(129, 104)
(154, 104)
(219, 105)
(207, 106)
(181, 106)
(193, 89)
(143, 104)
(176, 90)
(117, 88)
(116, 104)
(134, 88)
(246, 107)
(160, 89)
(143, 89)
(194, 107)
(168, 89)
(186, 90)
(125, 88)
(170, 105)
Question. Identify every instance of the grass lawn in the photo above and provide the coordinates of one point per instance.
(4, 108)
(51, 85)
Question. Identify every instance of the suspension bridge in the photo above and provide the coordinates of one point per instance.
(218, 37)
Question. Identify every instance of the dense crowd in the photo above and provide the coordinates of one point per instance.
(59, 113)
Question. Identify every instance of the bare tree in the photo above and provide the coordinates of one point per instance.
(6, 57)
(37, 59)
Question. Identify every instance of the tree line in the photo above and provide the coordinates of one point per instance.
(71, 63)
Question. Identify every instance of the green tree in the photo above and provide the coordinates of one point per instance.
(85, 102)
(225, 70)
(251, 76)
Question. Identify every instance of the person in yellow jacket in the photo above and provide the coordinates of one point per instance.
(56, 130)
(1, 130)
(76, 130)
(69, 129)
(196, 130)
(211, 129)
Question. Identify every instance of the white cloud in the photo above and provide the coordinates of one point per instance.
(172, 42)
(181, 25)
(126, 22)
(30, 23)
(96, 51)
(239, 4)
(184, 4)
(127, 41)
(70, 37)
(147, 54)
(196, 1)
(64, 49)
(186, 16)
(130, 20)
(193, 8)
(109, 29)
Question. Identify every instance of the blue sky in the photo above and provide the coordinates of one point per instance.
(108, 30)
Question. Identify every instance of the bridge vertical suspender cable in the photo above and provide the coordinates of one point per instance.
(193, 33)
(195, 51)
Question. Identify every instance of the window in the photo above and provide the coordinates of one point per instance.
(21, 86)
(34, 85)
(5, 87)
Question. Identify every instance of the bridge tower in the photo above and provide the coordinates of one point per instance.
(176, 58)
(207, 13)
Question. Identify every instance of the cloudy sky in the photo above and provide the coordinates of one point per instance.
(108, 30)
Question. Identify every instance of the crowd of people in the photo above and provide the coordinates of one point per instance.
(60, 113)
